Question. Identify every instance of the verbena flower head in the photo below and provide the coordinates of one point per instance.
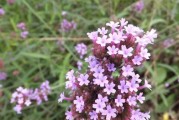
(98, 93)
(2, 11)
(24, 97)
(3, 76)
(67, 25)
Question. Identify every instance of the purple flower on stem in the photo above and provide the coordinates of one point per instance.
(2, 12)
(21, 26)
(3, 76)
(62, 97)
(67, 26)
(24, 34)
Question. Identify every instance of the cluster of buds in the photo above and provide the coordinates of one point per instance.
(24, 97)
(110, 88)
(24, 32)
(67, 26)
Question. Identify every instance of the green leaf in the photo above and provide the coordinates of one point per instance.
(156, 21)
(159, 75)
(35, 55)
(162, 107)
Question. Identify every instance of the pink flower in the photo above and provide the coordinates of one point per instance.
(113, 37)
(83, 79)
(112, 50)
(113, 25)
(126, 52)
(135, 77)
(102, 31)
(81, 49)
(100, 80)
(21, 26)
(109, 112)
(109, 88)
(147, 85)
(151, 35)
(69, 115)
(111, 67)
(144, 53)
(99, 107)
(93, 35)
(79, 64)
(3, 76)
(93, 115)
(102, 40)
(97, 71)
(132, 100)
(133, 86)
(2, 12)
(62, 97)
(123, 87)
(140, 98)
(24, 34)
(123, 22)
(127, 70)
(79, 103)
(137, 60)
(119, 101)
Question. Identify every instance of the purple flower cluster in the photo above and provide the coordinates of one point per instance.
(2, 12)
(98, 93)
(139, 6)
(24, 97)
(67, 25)
(3, 76)
(24, 32)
